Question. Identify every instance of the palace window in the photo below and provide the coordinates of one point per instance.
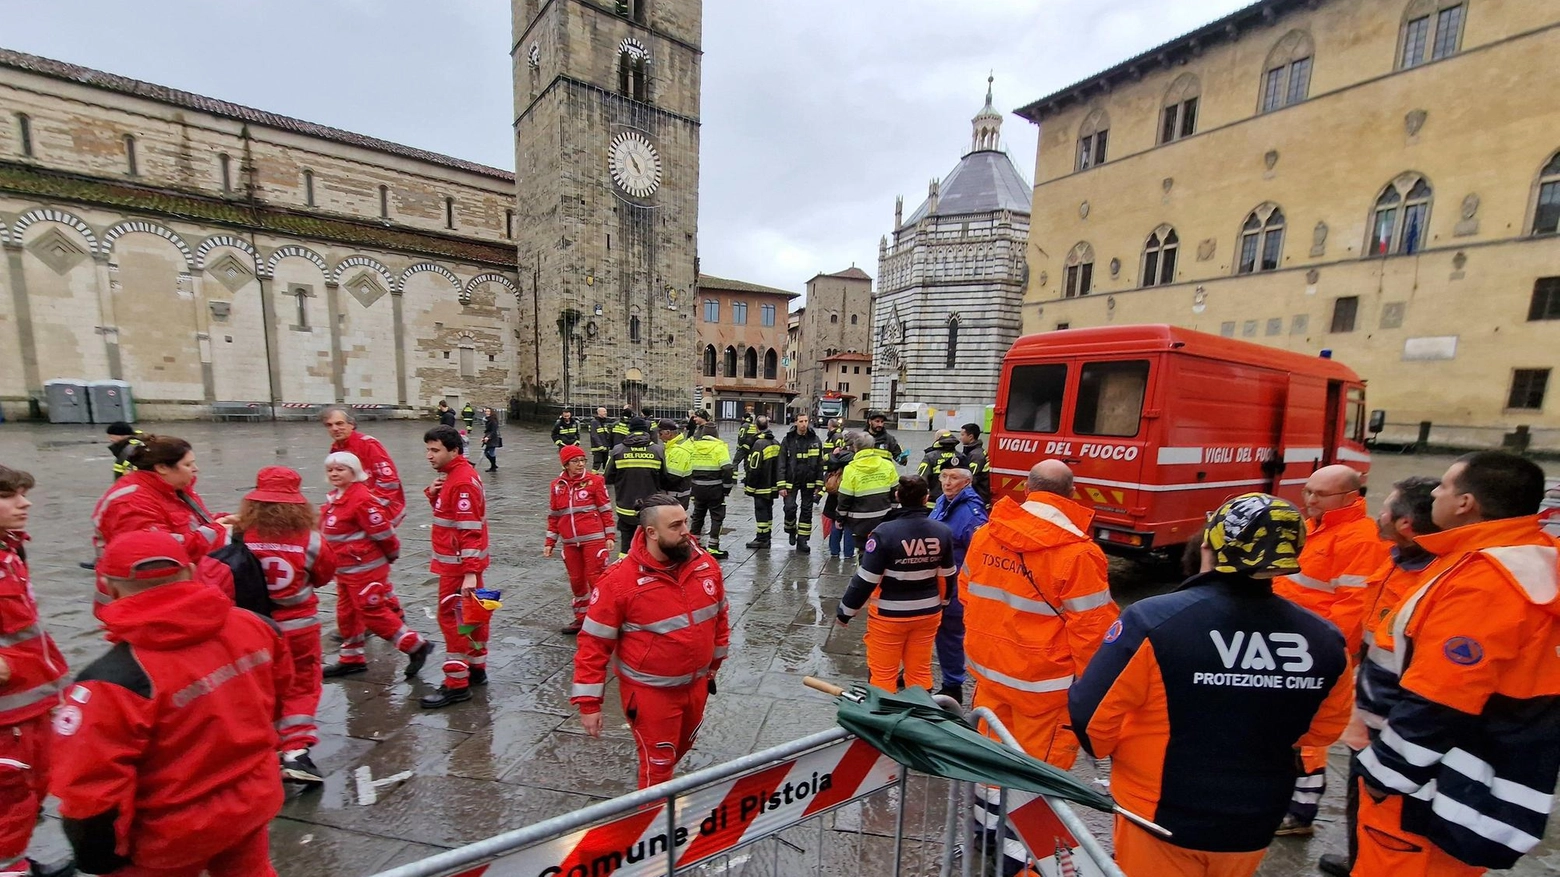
(130, 163)
(1546, 218)
(308, 188)
(449, 212)
(1159, 257)
(24, 134)
(709, 360)
(712, 310)
(384, 202)
(1546, 299)
(951, 359)
(766, 315)
(1432, 30)
(1287, 76)
(1345, 309)
(1527, 388)
(750, 363)
(739, 313)
(1079, 273)
(1261, 240)
(225, 163)
(834, 318)
(1178, 117)
(729, 363)
(633, 329)
(509, 227)
(771, 364)
(1401, 215)
(1092, 140)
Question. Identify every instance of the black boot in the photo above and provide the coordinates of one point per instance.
(759, 541)
(1335, 864)
(802, 545)
(417, 658)
(444, 697)
(715, 550)
(790, 536)
(336, 671)
(478, 675)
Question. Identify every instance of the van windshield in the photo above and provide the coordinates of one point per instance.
(1034, 401)
(1110, 398)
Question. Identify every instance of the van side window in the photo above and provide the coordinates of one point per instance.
(1035, 398)
(1354, 418)
(1110, 398)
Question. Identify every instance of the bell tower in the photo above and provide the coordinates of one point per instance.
(607, 178)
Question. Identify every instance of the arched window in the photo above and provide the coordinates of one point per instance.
(750, 363)
(1546, 218)
(1178, 117)
(384, 202)
(633, 70)
(952, 358)
(1400, 217)
(1287, 74)
(771, 364)
(1261, 240)
(1079, 276)
(1092, 138)
(225, 164)
(308, 188)
(709, 360)
(131, 167)
(1159, 254)
(449, 212)
(1431, 30)
(834, 318)
(633, 329)
(730, 365)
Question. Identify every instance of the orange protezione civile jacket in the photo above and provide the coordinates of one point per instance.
(384, 482)
(1342, 552)
(579, 509)
(1036, 599)
(37, 667)
(460, 532)
(667, 627)
(1466, 678)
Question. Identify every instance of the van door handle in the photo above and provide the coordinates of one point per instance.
(1072, 461)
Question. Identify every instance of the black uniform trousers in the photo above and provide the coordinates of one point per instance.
(799, 520)
(709, 500)
(598, 458)
(764, 510)
(626, 525)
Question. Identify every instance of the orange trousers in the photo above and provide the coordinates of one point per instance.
(895, 644)
(1039, 721)
(1140, 854)
(1386, 850)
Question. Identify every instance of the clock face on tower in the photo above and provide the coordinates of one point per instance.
(636, 166)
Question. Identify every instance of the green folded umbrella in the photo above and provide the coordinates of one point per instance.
(912, 729)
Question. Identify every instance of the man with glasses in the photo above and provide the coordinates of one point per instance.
(1343, 549)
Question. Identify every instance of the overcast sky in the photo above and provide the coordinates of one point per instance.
(816, 113)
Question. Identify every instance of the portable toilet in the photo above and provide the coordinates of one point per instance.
(111, 401)
(67, 400)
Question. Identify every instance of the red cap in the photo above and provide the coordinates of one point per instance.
(277, 484)
(570, 452)
(128, 552)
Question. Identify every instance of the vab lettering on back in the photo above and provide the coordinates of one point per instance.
(1258, 656)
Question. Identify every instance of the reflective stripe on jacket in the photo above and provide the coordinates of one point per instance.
(678, 477)
(1342, 551)
(357, 528)
(1036, 598)
(865, 488)
(801, 461)
(1469, 740)
(636, 469)
(711, 463)
(460, 532)
(384, 481)
(295, 565)
(907, 563)
(667, 627)
(578, 509)
(566, 432)
(763, 466)
(37, 668)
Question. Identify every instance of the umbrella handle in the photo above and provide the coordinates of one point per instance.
(1143, 823)
(817, 684)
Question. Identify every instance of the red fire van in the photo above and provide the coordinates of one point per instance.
(1162, 424)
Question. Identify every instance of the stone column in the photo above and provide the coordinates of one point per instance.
(107, 270)
(273, 355)
(208, 378)
(25, 340)
(337, 361)
(400, 345)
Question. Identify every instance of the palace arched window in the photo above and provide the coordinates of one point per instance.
(1400, 217)
(730, 363)
(1092, 139)
(1431, 30)
(1546, 215)
(1178, 116)
(951, 360)
(1261, 240)
(709, 360)
(1079, 273)
(1286, 77)
(1159, 254)
(771, 364)
(750, 363)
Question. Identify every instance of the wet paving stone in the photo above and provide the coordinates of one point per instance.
(516, 753)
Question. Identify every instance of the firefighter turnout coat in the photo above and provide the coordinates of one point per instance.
(460, 531)
(384, 481)
(1468, 732)
(1342, 551)
(667, 626)
(566, 432)
(865, 493)
(801, 461)
(1200, 696)
(37, 667)
(636, 469)
(763, 466)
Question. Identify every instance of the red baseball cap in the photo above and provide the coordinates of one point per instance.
(277, 484)
(129, 553)
(569, 452)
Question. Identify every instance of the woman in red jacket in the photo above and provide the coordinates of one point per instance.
(580, 516)
(359, 531)
(159, 494)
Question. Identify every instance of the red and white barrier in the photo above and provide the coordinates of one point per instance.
(1056, 852)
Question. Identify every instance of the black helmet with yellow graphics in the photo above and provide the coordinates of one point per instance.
(1256, 533)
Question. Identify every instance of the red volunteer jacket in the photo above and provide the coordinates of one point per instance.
(581, 510)
(384, 481)
(165, 749)
(358, 531)
(295, 564)
(668, 626)
(143, 501)
(460, 535)
(37, 667)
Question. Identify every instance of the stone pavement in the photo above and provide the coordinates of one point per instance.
(515, 754)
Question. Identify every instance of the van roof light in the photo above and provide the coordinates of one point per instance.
(1326, 353)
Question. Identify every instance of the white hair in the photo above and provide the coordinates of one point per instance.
(349, 460)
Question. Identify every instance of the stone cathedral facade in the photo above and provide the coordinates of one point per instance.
(951, 281)
(607, 151)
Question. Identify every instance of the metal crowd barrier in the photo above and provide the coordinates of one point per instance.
(826, 804)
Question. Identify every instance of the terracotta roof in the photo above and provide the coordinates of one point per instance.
(848, 357)
(1260, 14)
(190, 101)
(709, 281)
(851, 273)
(46, 184)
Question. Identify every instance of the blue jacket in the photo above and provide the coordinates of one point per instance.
(964, 514)
(908, 563)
